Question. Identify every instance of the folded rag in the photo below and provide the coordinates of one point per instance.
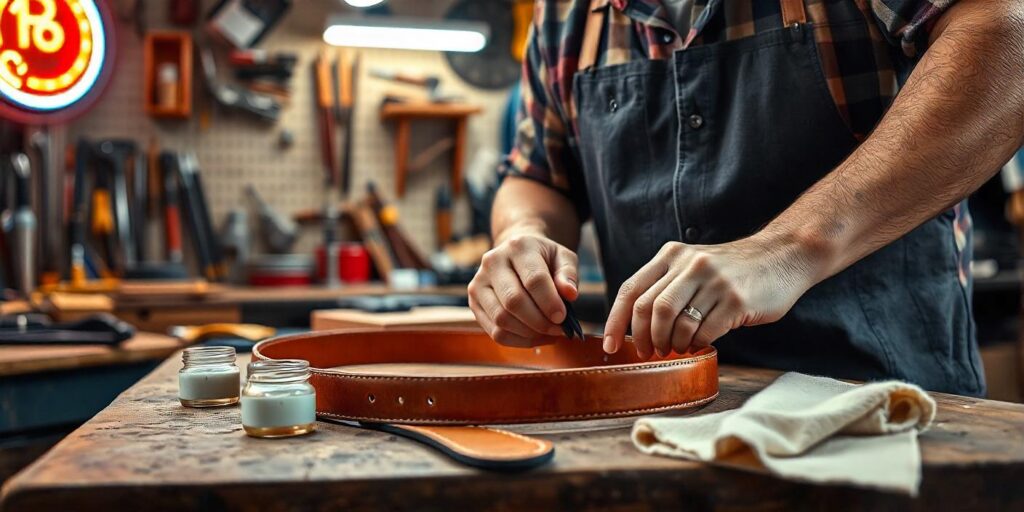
(806, 428)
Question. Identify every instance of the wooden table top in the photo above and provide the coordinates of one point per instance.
(144, 346)
(147, 452)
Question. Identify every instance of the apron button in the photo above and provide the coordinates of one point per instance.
(691, 234)
(613, 105)
(696, 121)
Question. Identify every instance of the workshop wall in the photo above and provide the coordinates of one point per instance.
(235, 149)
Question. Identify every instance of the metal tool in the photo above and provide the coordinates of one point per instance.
(208, 249)
(431, 84)
(571, 325)
(233, 96)
(51, 187)
(24, 221)
(277, 231)
(79, 214)
(172, 212)
(234, 239)
(98, 329)
(117, 152)
(347, 70)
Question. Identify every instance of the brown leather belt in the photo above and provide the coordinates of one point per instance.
(562, 381)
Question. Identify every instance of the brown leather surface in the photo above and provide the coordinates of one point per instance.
(793, 12)
(561, 381)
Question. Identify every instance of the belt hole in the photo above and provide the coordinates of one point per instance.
(401, 401)
(371, 398)
(430, 401)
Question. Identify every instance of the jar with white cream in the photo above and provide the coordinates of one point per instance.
(209, 377)
(277, 400)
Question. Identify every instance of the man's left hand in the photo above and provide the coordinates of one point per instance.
(747, 282)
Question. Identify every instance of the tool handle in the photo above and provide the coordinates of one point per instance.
(172, 232)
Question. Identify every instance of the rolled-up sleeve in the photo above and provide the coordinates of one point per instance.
(908, 23)
(540, 150)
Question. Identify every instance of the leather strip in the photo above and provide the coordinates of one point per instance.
(563, 380)
(592, 34)
(793, 12)
(480, 447)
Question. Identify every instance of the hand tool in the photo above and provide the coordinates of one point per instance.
(117, 152)
(172, 213)
(51, 187)
(234, 96)
(234, 240)
(102, 224)
(96, 329)
(406, 255)
(79, 214)
(24, 221)
(207, 246)
(347, 66)
(431, 84)
(277, 231)
(216, 251)
(443, 216)
(369, 230)
(324, 97)
(140, 194)
(177, 166)
(571, 325)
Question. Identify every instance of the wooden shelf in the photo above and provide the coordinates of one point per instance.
(427, 110)
(161, 48)
(403, 114)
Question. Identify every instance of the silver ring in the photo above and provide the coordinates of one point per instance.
(693, 313)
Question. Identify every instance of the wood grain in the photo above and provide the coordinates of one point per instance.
(18, 360)
(147, 452)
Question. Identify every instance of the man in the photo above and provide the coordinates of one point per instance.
(755, 180)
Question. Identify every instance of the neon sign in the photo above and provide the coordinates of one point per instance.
(52, 52)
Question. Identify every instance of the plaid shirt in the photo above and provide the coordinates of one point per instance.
(867, 48)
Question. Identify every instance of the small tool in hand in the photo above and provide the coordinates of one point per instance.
(571, 326)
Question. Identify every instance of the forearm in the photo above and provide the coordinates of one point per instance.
(523, 206)
(959, 117)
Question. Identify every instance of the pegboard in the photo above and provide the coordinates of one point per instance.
(237, 149)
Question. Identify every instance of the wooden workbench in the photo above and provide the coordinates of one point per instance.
(147, 452)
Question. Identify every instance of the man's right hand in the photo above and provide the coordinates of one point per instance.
(517, 293)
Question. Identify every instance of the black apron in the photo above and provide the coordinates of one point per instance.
(707, 147)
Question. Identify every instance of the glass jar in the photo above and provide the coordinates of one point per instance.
(278, 400)
(209, 377)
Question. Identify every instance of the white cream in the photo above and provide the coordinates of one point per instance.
(209, 384)
(278, 411)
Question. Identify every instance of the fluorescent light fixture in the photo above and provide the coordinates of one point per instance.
(406, 33)
(363, 3)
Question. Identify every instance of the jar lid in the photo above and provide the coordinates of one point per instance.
(278, 370)
(208, 355)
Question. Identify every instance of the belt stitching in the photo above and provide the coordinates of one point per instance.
(629, 412)
(532, 375)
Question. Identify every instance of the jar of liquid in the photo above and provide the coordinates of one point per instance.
(209, 377)
(278, 400)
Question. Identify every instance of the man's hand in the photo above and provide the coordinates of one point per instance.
(747, 282)
(517, 293)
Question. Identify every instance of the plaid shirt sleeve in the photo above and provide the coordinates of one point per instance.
(907, 23)
(540, 150)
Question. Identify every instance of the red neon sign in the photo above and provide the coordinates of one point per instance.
(52, 52)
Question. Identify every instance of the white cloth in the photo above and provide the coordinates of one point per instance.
(812, 429)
